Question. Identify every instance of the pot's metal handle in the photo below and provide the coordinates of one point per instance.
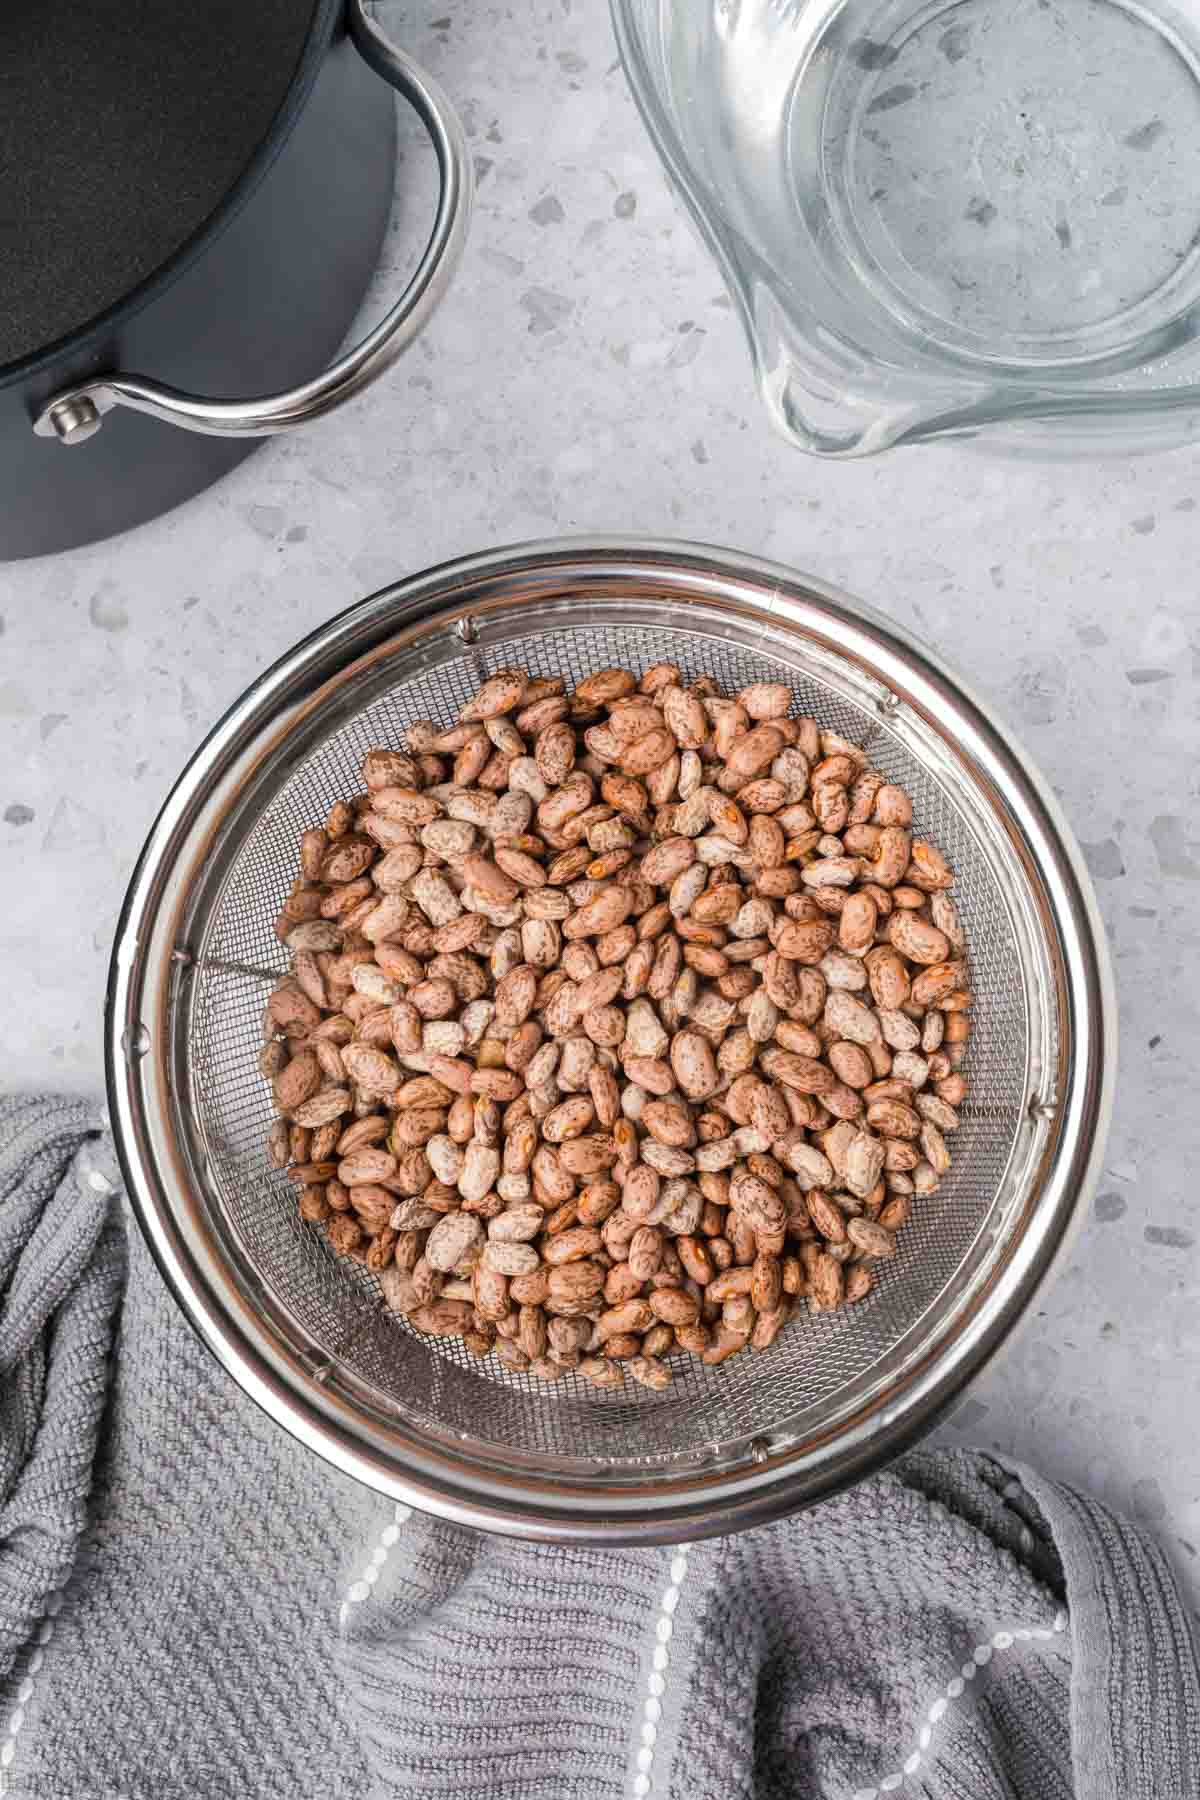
(76, 413)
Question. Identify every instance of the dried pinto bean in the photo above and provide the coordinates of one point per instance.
(617, 1022)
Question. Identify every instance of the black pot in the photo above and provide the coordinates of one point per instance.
(193, 214)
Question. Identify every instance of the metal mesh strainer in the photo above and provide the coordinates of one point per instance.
(308, 1334)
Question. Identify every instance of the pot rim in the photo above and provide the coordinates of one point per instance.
(88, 339)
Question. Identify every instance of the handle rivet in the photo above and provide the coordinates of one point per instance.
(75, 421)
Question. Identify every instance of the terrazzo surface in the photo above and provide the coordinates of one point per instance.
(587, 375)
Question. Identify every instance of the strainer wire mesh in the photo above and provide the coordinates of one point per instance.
(439, 1385)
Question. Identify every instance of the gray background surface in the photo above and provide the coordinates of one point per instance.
(587, 375)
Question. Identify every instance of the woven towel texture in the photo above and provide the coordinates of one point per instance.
(190, 1604)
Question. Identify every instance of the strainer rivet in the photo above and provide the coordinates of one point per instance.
(135, 1042)
(467, 629)
(888, 705)
(183, 957)
(760, 1449)
(1040, 1108)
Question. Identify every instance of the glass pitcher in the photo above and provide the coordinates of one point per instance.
(978, 219)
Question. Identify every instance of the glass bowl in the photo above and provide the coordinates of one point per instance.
(977, 219)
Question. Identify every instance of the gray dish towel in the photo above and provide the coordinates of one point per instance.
(193, 1608)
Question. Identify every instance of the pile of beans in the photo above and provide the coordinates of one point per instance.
(618, 1022)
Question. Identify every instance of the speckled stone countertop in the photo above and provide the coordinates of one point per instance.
(587, 375)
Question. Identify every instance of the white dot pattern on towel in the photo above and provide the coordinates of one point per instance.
(16, 1717)
(651, 1713)
(979, 1658)
(358, 1590)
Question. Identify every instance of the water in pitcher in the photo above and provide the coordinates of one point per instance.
(1015, 182)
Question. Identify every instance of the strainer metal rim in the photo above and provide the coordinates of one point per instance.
(149, 952)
